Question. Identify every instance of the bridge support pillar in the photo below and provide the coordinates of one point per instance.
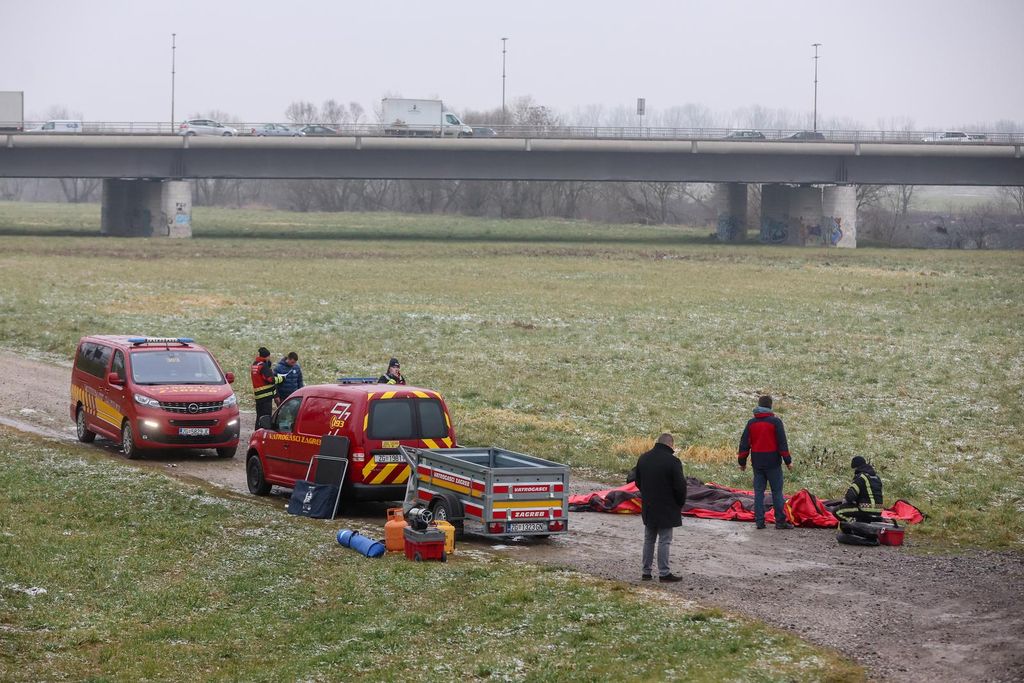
(731, 203)
(146, 208)
(775, 227)
(839, 215)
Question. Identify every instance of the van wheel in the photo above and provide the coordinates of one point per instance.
(128, 445)
(442, 510)
(84, 435)
(258, 484)
(228, 452)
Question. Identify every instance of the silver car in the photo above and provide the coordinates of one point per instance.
(205, 127)
(277, 130)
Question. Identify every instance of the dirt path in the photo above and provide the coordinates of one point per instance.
(904, 617)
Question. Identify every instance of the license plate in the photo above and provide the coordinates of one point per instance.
(389, 457)
(520, 527)
(193, 431)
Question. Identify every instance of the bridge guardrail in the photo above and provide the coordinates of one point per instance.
(638, 133)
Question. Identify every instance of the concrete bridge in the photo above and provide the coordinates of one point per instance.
(808, 194)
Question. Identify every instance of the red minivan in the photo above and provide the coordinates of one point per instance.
(376, 418)
(152, 393)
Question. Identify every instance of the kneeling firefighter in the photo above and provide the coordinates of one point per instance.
(865, 494)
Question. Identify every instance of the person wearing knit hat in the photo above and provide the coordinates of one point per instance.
(393, 375)
(866, 491)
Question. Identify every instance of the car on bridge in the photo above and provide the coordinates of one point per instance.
(317, 129)
(806, 135)
(205, 127)
(955, 136)
(484, 132)
(279, 130)
(745, 135)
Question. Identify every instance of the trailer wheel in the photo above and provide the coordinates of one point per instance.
(417, 557)
(442, 509)
(444, 556)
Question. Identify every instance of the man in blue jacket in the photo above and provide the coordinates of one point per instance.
(764, 440)
(288, 367)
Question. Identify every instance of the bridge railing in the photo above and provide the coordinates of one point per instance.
(497, 131)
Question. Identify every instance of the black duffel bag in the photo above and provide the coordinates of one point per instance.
(313, 500)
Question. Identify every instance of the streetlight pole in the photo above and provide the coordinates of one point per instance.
(173, 48)
(816, 46)
(503, 119)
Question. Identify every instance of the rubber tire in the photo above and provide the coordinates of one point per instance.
(444, 556)
(190, 133)
(83, 433)
(254, 478)
(439, 508)
(227, 452)
(128, 445)
(417, 557)
(226, 135)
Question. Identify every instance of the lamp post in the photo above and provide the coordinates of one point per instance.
(503, 119)
(173, 48)
(816, 46)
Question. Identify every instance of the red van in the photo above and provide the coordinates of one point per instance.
(153, 393)
(376, 418)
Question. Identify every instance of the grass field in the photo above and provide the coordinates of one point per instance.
(580, 342)
(95, 586)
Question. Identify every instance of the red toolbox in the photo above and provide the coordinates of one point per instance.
(890, 535)
(424, 545)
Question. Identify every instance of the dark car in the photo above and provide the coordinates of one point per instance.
(317, 129)
(745, 135)
(484, 132)
(807, 135)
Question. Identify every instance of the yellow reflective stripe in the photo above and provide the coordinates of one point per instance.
(366, 421)
(528, 504)
(263, 392)
(431, 443)
(867, 488)
(388, 394)
(449, 485)
(420, 394)
(388, 469)
(404, 476)
(447, 422)
(367, 468)
(447, 442)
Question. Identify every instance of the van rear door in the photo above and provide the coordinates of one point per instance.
(398, 418)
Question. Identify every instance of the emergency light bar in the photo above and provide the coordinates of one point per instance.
(160, 340)
(357, 380)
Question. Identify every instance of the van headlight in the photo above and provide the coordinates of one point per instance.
(230, 401)
(147, 401)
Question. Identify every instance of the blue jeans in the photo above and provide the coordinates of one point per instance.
(773, 477)
(664, 540)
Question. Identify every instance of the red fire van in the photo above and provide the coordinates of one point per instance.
(376, 418)
(153, 393)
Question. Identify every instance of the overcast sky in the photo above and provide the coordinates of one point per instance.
(935, 63)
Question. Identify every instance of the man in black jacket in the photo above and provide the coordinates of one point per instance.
(659, 476)
(865, 494)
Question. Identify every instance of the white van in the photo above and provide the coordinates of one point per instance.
(59, 126)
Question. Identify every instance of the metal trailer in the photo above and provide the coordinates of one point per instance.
(490, 491)
(12, 111)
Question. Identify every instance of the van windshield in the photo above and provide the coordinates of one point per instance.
(406, 418)
(175, 367)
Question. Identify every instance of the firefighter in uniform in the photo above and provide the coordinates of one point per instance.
(393, 375)
(264, 383)
(865, 494)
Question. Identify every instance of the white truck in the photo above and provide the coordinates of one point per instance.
(426, 118)
(12, 111)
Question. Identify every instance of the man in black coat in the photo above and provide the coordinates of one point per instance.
(659, 476)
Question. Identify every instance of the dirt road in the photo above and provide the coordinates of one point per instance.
(905, 617)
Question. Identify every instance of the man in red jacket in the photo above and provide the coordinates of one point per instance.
(764, 440)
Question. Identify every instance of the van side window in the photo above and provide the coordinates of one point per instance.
(117, 366)
(285, 420)
(93, 359)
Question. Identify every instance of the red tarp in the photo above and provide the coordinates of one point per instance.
(712, 501)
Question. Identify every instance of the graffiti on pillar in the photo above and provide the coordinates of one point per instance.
(728, 229)
(773, 231)
(181, 216)
(835, 229)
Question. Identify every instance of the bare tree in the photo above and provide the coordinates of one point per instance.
(869, 195)
(1015, 197)
(302, 112)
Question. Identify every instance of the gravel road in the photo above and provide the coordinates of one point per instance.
(903, 616)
